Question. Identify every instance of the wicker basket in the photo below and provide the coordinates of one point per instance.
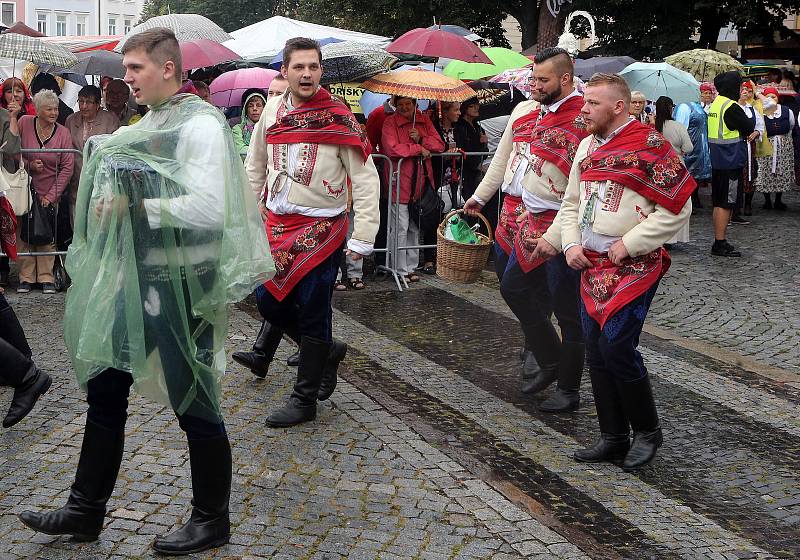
(460, 262)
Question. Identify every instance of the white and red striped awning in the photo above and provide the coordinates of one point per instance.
(83, 43)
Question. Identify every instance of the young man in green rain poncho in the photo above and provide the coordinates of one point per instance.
(167, 235)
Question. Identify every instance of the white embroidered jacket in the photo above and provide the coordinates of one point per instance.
(311, 179)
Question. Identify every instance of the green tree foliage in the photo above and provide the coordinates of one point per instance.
(230, 14)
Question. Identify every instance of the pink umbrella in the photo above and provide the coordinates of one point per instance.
(200, 53)
(439, 44)
(227, 89)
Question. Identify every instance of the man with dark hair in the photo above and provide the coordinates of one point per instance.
(203, 92)
(166, 237)
(727, 126)
(628, 194)
(532, 163)
(117, 96)
(303, 151)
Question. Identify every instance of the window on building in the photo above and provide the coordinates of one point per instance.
(61, 25)
(9, 13)
(127, 26)
(80, 25)
(112, 25)
(41, 23)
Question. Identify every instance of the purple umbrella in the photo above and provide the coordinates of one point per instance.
(227, 89)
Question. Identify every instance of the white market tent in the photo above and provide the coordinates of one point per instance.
(267, 38)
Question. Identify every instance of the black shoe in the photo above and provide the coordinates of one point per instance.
(610, 448)
(293, 360)
(780, 205)
(737, 219)
(264, 348)
(330, 373)
(29, 382)
(302, 404)
(82, 516)
(530, 367)
(640, 409)
(209, 525)
(11, 331)
(724, 249)
(24, 288)
(542, 381)
(256, 362)
(567, 396)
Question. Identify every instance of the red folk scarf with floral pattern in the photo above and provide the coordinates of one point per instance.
(640, 158)
(298, 244)
(507, 226)
(8, 229)
(555, 136)
(321, 120)
(606, 288)
(533, 227)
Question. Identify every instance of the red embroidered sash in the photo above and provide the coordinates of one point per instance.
(8, 229)
(606, 288)
(507, 226)
(554, 137)
(321, 120)
(298, 244)
(640, 158)
(532, 228)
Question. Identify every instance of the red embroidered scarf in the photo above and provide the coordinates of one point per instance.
(298, 244)
(507, 226)
(533, 227)
(321, 120)
(554, 137)
(606, 288)
(640, 158)
(8, 229)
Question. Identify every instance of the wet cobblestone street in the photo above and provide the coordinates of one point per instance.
(428, 450)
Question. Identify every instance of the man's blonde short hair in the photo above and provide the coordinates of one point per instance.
(614, 81)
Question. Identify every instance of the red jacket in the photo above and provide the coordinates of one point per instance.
(396, 143)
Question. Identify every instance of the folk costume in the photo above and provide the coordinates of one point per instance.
(178, 238)
(533, 162)
(299, 163)
(777, 170)
(630, 186)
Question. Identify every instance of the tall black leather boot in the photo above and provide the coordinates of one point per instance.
(98, 466)
(209, 525)
(614, 441)
(264, 348)
(530, 367)
(570, 370)
(12, 331)
(29, 382)
(640, 409)
(302, 404)
(540, 367)
(330, 372)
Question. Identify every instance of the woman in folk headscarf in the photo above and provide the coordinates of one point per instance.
(777, 171)
(253, 102)
(14, 88)
(757, 145)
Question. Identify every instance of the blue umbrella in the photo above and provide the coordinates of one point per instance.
(277, 60)
(655, 79)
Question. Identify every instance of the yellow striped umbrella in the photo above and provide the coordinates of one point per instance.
(419, 84)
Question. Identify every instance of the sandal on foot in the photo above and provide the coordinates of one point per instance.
(412, 277)
(339, 286)
(356, 283)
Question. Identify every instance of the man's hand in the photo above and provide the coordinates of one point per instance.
(354, 255)
(522, 217)
(618, 252)
(262, 208)
(425, 153)
(544, 250)
(576, 259)
(472, 207)
(414, 135)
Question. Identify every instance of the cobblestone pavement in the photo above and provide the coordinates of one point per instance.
(427, 450)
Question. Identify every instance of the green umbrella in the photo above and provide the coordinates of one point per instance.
(502, 59)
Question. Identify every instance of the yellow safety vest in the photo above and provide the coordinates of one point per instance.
(718, 131)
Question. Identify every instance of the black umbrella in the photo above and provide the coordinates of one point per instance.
(584, 69)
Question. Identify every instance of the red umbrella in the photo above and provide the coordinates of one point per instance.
(437, 43)
(201, 53)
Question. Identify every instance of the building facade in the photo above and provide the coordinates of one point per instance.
(74, 17)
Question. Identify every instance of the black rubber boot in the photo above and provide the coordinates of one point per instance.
(209, 525)
(546, 377)
(640, 409)
(530, 367)
(302, 404)
(570, 370)
(264, 348)
(98, 466)
(29, 382)
(330, 373)
(293, 360)
(614, 441)
(11, 331)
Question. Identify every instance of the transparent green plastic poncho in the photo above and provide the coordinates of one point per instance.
(167, 234)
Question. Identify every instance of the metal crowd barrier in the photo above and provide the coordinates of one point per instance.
(55, 225)
(393, 225)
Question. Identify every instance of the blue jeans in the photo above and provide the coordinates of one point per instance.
(306, 310)
(614, 348)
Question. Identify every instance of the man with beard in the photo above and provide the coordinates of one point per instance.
(533, 162)
(628, 194)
